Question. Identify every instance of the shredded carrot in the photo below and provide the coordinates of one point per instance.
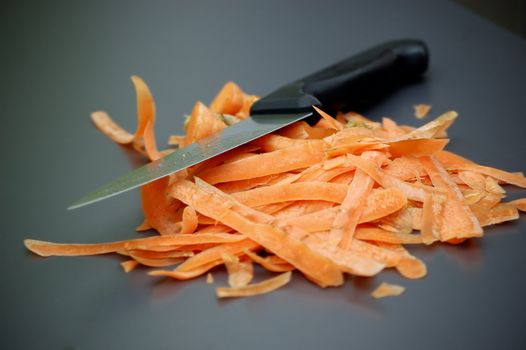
(346, 196)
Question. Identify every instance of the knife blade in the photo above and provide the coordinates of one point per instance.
(353, 82)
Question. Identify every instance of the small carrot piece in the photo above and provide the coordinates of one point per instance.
(421, 110)
(267, 163)
(266, 286)
(323, 191)
(352, 206)
(387, 290)
(48, 248)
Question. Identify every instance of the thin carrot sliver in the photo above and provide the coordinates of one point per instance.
(48, 248)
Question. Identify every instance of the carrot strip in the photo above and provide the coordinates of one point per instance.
(432, 129)
(272, 142)
(347, 261)
(188, 274)
(516, 179)
(48, 248)
(150, 254)
(432, 217)
(276, 162)
(497, 214)
(266, 286)
(233, 203)
(417, 148)
(247, 184)
(323, 191)
(161, 262)
(352, 206)
(146, 117)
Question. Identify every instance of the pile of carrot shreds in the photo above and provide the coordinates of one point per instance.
(344, 196)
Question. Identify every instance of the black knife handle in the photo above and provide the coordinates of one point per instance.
(353, 82)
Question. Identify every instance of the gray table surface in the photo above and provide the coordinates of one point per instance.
(60, 61)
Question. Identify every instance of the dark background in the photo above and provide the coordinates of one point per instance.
(510, 14)
(61, 60)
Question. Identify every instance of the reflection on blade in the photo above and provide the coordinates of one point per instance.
(231, 137)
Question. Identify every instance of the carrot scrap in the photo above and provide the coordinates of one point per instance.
(387, 290)
(421, 110)
(345, 196)
(129, 265)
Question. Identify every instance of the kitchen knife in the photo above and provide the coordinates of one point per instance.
(351, 83)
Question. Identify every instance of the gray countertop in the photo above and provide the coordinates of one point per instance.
(60, 61)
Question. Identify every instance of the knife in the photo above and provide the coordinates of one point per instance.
(351, 83)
